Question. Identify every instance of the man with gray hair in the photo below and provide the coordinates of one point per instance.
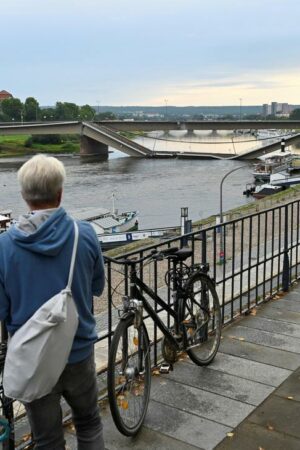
(35, 257)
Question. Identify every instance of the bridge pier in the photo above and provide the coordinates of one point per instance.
(91, 147)
(190, 133)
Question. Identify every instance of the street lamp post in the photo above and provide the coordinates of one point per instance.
(221, 256)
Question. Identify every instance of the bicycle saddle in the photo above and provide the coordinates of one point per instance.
(183, 253)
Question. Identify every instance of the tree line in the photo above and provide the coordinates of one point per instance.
(13, 110)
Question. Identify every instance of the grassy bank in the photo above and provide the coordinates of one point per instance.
(15, 145)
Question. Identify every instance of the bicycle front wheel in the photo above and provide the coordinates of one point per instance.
(200, 319)
(129, 376)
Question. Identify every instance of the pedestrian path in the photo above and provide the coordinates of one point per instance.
(248, 398)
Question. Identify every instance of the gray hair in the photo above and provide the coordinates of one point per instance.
(41, 178)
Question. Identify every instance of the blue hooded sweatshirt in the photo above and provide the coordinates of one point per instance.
(35, 266)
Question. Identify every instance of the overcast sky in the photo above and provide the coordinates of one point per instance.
(149, 52)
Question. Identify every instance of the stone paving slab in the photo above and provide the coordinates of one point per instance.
(288, 305)
(221, 383)
(294, 294)
(280, 315)
(273, 326)
(201, 403)
(266, 338)
(194, 430)
(250, 436)
(291, 387)
(146, 439)
(269, 414)
(249, 370)
(259, 353)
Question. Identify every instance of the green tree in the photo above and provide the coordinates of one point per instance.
(295, 115)
(47, 114)
(66, 111)
(86, 112)
(31, 109)
(12, 109)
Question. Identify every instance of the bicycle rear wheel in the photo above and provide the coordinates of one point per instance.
(200, 318)
(129, 376)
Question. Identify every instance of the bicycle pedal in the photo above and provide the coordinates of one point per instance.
(165, 368)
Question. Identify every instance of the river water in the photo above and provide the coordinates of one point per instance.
(157, 188)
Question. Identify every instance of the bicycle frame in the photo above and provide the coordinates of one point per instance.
(136, 286)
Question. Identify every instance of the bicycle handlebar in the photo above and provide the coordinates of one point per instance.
(158, 255)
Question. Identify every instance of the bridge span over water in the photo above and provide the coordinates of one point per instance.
(96, 137)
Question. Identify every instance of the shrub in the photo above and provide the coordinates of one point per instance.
(69, 146)
(28, 142)
(46, 139)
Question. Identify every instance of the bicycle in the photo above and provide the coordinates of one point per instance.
(196, 329)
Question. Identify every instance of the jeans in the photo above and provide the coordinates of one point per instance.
(78, 385)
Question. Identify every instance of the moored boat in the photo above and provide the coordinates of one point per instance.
(105, 221)
(284, 178)
(270, 163)
(263, 190)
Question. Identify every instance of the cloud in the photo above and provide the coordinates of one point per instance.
(252, 88)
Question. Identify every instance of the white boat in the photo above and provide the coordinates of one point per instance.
(270, 163)
(105, 221)
(284, 179)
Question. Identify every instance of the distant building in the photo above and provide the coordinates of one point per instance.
(274, 108)
(266, 110)
(277, 109)
(4, 95)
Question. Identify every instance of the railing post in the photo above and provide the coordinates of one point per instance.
(204, 248)
(286, 264)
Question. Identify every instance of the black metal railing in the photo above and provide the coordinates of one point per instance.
(251, 258)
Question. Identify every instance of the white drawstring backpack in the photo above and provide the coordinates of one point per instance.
(39, 350)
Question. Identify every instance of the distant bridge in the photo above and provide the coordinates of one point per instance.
(142, 125)
(97, 136)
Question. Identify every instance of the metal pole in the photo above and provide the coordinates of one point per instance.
(286, 263)
(184, 218)
(221, 211)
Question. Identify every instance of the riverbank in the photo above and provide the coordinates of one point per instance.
(15, 145)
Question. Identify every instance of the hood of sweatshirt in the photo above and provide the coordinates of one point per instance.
(44, 232)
